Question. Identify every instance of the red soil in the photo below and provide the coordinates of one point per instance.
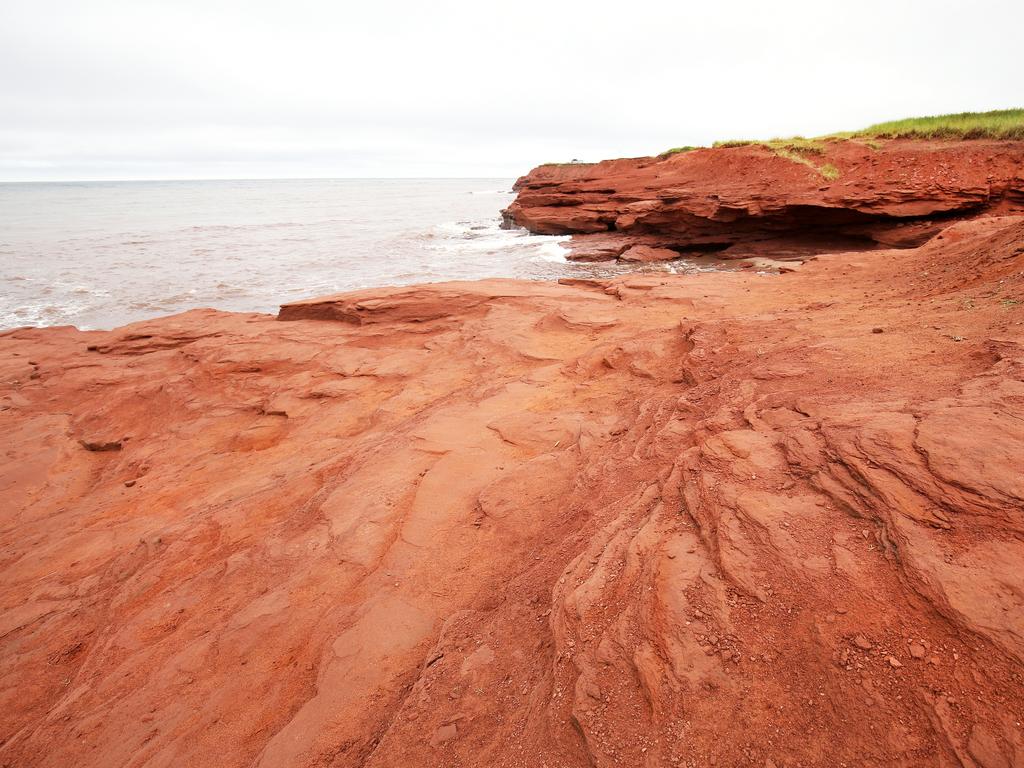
(726, 519)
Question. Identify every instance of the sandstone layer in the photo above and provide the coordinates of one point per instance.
(784, 200)
(726, 519)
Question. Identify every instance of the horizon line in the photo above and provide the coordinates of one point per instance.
(255, 178)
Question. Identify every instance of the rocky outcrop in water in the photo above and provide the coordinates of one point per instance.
(723, 519)
(781, 199)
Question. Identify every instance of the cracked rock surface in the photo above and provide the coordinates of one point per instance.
(721, 519)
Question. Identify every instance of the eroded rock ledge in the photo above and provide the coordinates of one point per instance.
(755, 200)
(725, 519)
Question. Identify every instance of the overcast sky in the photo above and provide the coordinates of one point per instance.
(121, 89)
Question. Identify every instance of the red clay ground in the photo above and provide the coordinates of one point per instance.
(728, 519)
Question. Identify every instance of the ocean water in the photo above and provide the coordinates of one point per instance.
(102, 254)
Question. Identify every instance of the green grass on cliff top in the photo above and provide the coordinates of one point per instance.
(997, 124)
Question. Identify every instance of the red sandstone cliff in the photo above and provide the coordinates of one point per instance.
(726, 519)
(802, 198)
